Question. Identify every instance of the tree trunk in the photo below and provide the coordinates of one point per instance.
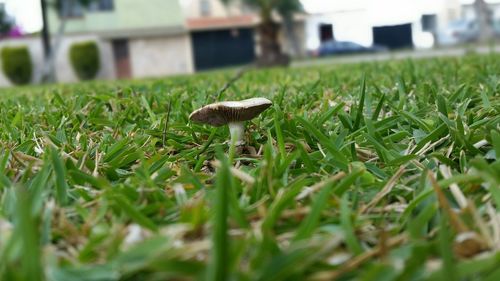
(48, 73)
(484, 19)
(270, 47)
(49, 69)
(45, 30)
(289, 26)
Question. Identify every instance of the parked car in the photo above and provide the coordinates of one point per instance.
(334, 47)
(459, 31)
(496, 28)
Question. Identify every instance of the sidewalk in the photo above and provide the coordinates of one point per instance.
(398, 55)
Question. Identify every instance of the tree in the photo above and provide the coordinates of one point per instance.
(5, 21)
(62, 7)
(484, 18)
(268, 29)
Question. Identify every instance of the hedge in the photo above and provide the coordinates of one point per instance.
(17, 65)
(85, 60)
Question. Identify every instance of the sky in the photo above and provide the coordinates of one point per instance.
(27, 12)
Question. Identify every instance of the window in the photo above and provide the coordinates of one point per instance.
(70, 9)
(326, 32)
(101, 5)
(205, 7)
(429, 22)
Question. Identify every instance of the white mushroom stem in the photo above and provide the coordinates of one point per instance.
(237, 130)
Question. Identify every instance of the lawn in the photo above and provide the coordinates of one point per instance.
(374, 171)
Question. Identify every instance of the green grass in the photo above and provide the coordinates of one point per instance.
(375, 171)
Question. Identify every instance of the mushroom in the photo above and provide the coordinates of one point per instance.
(231, 113)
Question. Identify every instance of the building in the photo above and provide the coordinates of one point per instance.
(136, 39)
(396, 23)
(361, 23)
(224, 35)
(220, 35)
(153, 38)
(146, 39)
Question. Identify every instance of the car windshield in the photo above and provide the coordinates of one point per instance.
(343, 44)
(352, 45)
(328, 44)
(459, 24)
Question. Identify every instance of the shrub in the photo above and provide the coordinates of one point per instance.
(16, 64)
(84, 58)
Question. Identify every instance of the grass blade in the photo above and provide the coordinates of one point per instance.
(220, 243)
(60, 174)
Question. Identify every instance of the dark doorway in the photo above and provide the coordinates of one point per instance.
(393, 36)
(325, 32)
(220, 48)
(122, 58)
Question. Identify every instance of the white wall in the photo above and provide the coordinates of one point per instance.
(353, 20)
(160, 56)
(192, 8)
(64, 71)
(149, 57)
(353, 25)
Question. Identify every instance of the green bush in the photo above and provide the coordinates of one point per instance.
(84, 58)
(16, 64)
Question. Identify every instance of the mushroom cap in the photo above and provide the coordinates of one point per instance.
(222, 113)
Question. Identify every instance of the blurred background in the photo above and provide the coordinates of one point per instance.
(73, 40)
